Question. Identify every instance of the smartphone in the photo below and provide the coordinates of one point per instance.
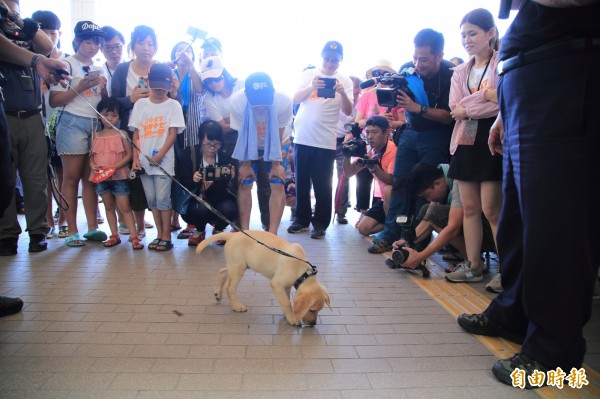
(328, 91)
(94, 74)
(142, 83)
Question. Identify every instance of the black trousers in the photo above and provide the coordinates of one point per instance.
(314, 166)
(7, 177)
(548, 231)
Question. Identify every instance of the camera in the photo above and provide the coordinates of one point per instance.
(135, 173)
(386, 96)
(366, 161)
(356, 147)
(215, 173)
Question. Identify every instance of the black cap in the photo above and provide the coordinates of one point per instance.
(88, 28)
(46, 19)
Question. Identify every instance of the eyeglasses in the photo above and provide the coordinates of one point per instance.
(378, 72)
(117, 47)
(210, 146)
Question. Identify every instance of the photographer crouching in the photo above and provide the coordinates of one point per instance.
(378, 158)
(443, 214)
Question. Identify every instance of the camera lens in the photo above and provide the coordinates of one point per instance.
(400, 256)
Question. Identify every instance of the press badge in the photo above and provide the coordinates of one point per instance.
(468, 132)
(26, 82)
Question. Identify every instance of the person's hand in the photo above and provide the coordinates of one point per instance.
(413, 259)
(389, 116)
(185, 61)
(491, 95)
(197, 176)
(318, 83)
(339, 87)
(459, 112)
(404, 101)
(87, 83)
(94, 167)
(135, 165)
(398, 244)
(157, 160)
(348, 137)
(496, 137)
(46, 68)
(246, 172)
(278, 171)
(139, 93)
(102, 83)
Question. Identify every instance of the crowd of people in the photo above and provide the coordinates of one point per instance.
(456, 153)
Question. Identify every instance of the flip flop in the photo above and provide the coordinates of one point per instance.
(63, 231)
(74, 241)
(164, 246)
(123, 229)
(95, 235)
(152, 246)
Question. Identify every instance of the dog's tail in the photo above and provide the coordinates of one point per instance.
(221, 236)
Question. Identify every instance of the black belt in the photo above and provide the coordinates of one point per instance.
(340, 139)
(549, 51)
(22, 114)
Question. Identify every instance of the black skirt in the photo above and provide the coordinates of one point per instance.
(475, 162)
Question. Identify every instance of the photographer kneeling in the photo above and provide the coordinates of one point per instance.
(379, 160)
(444, 214)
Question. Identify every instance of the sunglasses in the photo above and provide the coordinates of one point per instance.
(213, 80)
(378, 73)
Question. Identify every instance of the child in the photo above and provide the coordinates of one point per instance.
(156, 120)
(110, 149)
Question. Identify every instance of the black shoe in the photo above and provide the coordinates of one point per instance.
(10, 306)
(37, 243)
(479, 324)
(296, 228)
(341, 219)
(8, 246)
(503, 369)
(422, 268)
(390, 263)
(317, 233)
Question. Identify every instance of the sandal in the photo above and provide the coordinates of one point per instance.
(152, 246)
(379, 246)
(148, 225)
(135, 243)
(186, 233)
(51, 233)
(164, 246)
(123, 229)
(112, 241)
(74, 241)
(95, 235)
(63, 231)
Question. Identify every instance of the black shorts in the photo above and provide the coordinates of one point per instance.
(376, 211)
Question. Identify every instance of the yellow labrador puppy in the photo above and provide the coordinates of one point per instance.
(243, 252)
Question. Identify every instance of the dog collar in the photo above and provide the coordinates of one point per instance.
(310, 272)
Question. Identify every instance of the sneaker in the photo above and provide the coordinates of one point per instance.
(10, 305)
(296, 228)
(196, 238)
(379, 246)
(495, 284)
(8, 246)
(503, 370)
(480, 324)
(37, 243)
(317, 233)
(341, 219)
(465, 274)
(56, 214)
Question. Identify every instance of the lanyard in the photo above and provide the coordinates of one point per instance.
(482, 76)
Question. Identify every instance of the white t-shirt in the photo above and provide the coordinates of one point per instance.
(238, 106)
(317, 118)
(153, 122)
(78, 105)
(217, 107)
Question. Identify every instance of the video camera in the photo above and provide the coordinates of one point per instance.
(386, 96)
(215, 173)
(400, 255)
(356, 147)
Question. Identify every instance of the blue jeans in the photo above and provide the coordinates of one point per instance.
(428, 146)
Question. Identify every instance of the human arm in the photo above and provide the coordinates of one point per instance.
(381, 174)
(496, 136)
(135, 164)
(169, 141)
(435, 114)
(350, 169)
(305, 91)
(128, 152)
(185, 64)
(62, 98)
(343, 92)
(455, 222)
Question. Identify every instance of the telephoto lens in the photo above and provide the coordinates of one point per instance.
(400, 256)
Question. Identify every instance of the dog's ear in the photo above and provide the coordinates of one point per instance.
(327, 300)
(302, 304)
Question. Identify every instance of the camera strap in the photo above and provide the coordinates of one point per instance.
(173, 179)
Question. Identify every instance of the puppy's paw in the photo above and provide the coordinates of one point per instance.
(293, 321)
(218, 296)
(240, 307)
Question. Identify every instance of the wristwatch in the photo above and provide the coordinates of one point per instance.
(35, 59)
(424, 109)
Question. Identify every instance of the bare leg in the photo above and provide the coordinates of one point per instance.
(89, 197)
(165, 220)
(245, 204)
(276, 206)
(472, 225)
(109, 208)
(367, 226)
(491, 202)
(139, 221)
(72, 171)
(127, 215)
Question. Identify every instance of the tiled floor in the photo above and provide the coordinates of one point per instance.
(101, 323)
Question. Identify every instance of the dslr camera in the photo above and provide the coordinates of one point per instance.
(409, 235)
(386, 96)
(215, 173)
(356, 147)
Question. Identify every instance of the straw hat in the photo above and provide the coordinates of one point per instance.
(382, 65)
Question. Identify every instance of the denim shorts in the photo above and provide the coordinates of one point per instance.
(74, 134)
(116, 187)
(255, 166)
(158, 191)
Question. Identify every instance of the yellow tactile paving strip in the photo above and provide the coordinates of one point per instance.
(462, 298)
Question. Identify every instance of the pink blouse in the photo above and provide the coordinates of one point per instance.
(108, 151)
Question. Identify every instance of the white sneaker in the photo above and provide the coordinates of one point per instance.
(464, 274)
(495, 284)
